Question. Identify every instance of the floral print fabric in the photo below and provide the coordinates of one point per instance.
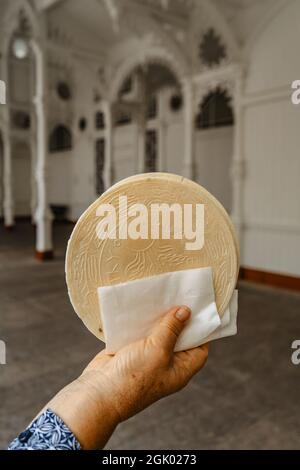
(46, 432)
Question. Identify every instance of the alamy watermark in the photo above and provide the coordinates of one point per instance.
(2, 92)
(160, 221)
(295, 357)
(2, 352)
(295, 98)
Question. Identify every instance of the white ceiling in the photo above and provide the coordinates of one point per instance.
(90, 25)
(243, 16)
(90, 22)
(93, 16)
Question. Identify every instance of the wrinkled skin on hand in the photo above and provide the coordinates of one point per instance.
(113, 388)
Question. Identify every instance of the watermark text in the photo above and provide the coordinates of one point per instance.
(161, 221)
(2, 92)
(2, 352)
(295, 358)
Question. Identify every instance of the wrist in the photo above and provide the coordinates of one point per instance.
(86, 413)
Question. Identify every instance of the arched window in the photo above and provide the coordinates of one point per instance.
(152, 107)
(123, 118)
(100, 158)
(151, 151)
(126, 86)
(60, 139)
(215, 111)
(99, 120)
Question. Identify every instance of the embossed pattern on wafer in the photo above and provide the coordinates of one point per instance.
(92, 262)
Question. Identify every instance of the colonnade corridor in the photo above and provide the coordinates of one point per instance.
(203, 97)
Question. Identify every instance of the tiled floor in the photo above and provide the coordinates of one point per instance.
(248, 396)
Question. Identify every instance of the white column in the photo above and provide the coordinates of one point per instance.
(33, 202)
(43, 216)
(188, 96)
(8, 201)
(108, 172)
(238, 162)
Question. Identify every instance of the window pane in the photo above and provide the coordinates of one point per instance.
(215, 111)
(151, 151)
(100, 157)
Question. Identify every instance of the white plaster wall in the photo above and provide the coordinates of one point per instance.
(82, 175)
(20, 81)
(213, 155)
(59, 177)
(19, 95)
(174, 157)
(21, 167)
(274, 56)
(125, 151)
(271, 149)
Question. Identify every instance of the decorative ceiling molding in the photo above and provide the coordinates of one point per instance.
(154, 46)
(46, 4)
(58, 35)
(165, 11)
(212, 52)
(113, 8)
(150, 55)
(65, 42)
(20, 9)
(216, 19)
(227, 78)
(60, 58)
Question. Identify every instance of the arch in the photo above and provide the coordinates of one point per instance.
(229, 78)
(214, 18)
(153, 55)
(215, 110)
(60, 139)
(11, 20)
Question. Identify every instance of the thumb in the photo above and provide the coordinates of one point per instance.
(166, 332)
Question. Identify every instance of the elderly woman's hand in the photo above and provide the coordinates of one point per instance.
(114, 387)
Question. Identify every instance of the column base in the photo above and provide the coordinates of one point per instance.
(44, 255)
(9, 228)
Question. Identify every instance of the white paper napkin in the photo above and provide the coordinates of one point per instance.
(228, 325)
(129, 310)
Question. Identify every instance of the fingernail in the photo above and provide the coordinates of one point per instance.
(183, 313)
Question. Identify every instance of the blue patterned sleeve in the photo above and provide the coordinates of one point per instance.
(46, 432)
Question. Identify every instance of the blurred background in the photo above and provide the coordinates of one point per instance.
(103, 89)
